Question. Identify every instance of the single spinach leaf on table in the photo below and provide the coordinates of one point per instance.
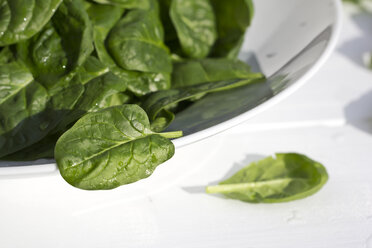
(140, 83)
(195, 24)
(158, 101)
(110, 148)
(233, 19)
(62, 46)
(21, 19)
(284, 178)
(191, 72)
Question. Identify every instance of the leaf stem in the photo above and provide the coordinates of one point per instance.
(228, 188)
(172, 135)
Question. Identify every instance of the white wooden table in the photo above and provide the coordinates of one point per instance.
(329, 119)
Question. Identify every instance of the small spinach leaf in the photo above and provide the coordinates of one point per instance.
(110, 148)
(195, 23)
(21, 19)
(284, 178)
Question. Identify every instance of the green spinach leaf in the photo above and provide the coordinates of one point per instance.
(233, 19)
(62, 46)
(20, 99)
(195, 23)
(191, 72)
(21, 19)
(110, 148)
(140, 83)
(284, 178)
(136, 43)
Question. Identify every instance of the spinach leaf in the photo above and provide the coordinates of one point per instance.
(128, 4)
(95, 91)
(191, 72)
(160, 100)
(21, 19)
(284, 178)
(62, 46)
(140, 83)
(136, 43)
(110, 148)
(21, 98)
(29, 111)
(233, 19)
(195, 23)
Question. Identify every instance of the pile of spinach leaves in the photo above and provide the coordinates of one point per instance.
(95, 83)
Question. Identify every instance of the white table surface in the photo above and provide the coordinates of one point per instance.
(329, 119)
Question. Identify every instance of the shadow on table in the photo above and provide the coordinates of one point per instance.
(357, 48)
(237, 166)
(358, 113)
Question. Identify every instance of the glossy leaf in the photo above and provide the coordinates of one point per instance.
(21, 19)
(136, 43)
(233, 19)
(29, 111)
(191, 72)
(61, 46)
(140, 83)
(195, 23)
(21, 98)
(95, 91)
(284, 178)
(112, 147)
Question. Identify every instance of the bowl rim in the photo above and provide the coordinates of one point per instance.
(223, 126)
